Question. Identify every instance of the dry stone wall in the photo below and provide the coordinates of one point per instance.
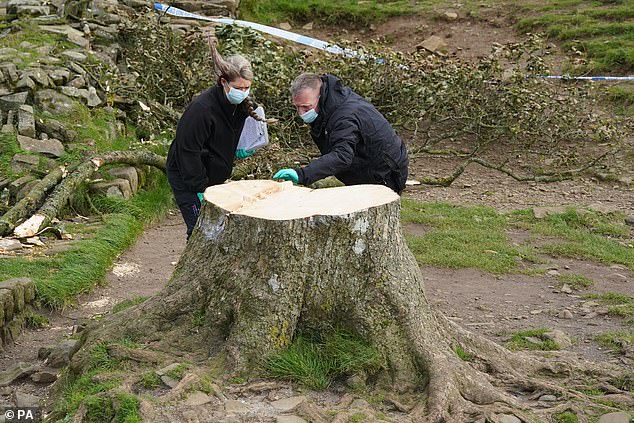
(16, 298)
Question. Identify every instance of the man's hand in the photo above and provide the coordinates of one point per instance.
(287, 175)
(241, 153)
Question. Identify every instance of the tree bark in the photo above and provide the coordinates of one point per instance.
(63, 192)
(31, 200)
(268, 259)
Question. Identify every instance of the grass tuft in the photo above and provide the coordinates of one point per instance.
(566, 417)
(519, 341)
(582, 234)
(8, 148)
(315, 362)
(150, 380)
(617, 341)
(92, 388)
(575, 281)
(178, 372)
(350, 12)
(620, 305)
(35, 321)
(605, 32)
(462, 354)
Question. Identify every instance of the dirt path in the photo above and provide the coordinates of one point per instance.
(141, 272)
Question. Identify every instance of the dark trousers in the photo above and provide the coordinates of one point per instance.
(187, 201)
(189, 206)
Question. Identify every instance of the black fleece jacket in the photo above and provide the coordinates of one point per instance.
(207, 136)
(357, 143)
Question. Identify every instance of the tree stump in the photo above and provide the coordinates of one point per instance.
(269, 259)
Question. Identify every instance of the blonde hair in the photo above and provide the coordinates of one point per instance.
(232, 68)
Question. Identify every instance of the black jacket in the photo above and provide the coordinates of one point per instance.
(357, 143)
(207, 136)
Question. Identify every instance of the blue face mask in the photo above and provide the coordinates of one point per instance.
(309, 116)
(236, 96)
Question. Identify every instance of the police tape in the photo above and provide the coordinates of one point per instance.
(333, 48)
(585, 78)
(287, 35)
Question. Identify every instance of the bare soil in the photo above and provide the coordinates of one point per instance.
(466, 38)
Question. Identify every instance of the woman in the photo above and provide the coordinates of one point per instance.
(207, 135)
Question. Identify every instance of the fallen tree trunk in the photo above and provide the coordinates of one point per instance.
(29, 203)
(63, 192)
(268, 260)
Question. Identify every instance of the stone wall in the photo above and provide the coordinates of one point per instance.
(16, 298)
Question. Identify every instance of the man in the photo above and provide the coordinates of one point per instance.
(357, 143)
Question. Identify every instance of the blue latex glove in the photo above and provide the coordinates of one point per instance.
(200, 196)
(287, 175)
(241, 153)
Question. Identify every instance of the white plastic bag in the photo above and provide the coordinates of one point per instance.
(254, 134)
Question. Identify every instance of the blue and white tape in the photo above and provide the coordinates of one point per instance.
(587, 78)
(332, 48)
(287, 35)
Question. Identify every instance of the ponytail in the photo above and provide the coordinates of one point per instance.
(232, 68)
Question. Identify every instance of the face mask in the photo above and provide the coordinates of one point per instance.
(309, 116)
(236, 96)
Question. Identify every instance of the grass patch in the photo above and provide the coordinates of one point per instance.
(575, 281)
(32, 34)
(462, 237)
(566, 417)
(593, 391)
(464, 356)
(8, 148)
(127, 303)
(315, 362)
(178, 372)
(128, 410)
(357, 418)
(61, 278)
(83, 387)
(536, 341)
(96, 125)
(624, 382)
(88, 385)
(35, 321)
(103, 374)
(603, 30)
(615, 340)
(585, 234)
(204, 384)
(350, 12)
(150, 380)
(620, 305)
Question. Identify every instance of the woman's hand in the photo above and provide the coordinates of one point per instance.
(241, 153)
